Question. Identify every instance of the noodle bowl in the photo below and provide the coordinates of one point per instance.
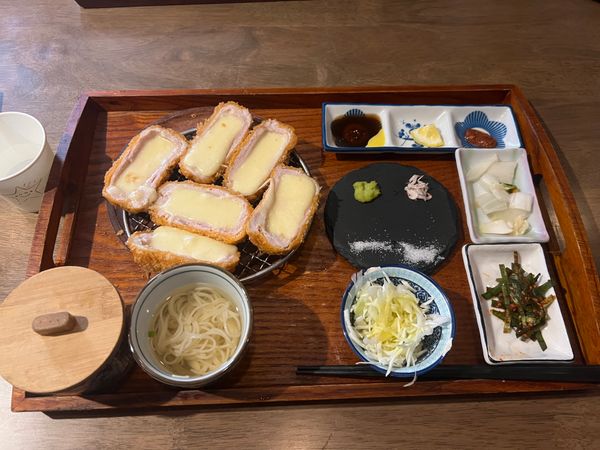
(196, 330)
(190, 325)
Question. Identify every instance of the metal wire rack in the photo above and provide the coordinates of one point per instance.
(253, 263)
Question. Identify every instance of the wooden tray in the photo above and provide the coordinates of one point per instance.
(297, 309)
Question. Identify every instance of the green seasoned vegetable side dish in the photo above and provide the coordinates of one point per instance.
(520, 303)
(366, 191)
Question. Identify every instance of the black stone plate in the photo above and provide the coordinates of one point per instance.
(392, 229)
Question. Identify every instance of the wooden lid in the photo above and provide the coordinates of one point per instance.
(41, 363)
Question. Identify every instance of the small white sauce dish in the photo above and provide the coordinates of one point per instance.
(482, 266)
(467, 158)
(437, 345)
(156, 291)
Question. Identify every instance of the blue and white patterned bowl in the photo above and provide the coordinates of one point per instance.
(479, 119)
(437, 344)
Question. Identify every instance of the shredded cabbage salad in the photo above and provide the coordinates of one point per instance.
(390, 324)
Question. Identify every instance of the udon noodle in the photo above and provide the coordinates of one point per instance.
(195, 330)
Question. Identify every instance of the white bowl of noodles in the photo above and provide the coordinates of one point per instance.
(190, 325)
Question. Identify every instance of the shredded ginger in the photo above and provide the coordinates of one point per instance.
(390, 324)
(417, 189)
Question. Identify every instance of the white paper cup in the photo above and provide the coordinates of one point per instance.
(25, 160)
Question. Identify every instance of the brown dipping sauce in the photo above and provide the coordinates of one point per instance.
(479, 139)
(355, 131)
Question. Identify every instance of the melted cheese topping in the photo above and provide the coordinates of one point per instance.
(293, 196)
(208, 153)
(144, 164)
(216, 211)
(255, 170)
(184, 243)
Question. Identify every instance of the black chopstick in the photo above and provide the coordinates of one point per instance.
(522, 372)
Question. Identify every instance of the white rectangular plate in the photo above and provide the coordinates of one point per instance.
(482, 266)
(465, 158)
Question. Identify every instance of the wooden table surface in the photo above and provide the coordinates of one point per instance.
(51, 50)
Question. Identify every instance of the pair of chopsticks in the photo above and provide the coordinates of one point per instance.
(521, 372)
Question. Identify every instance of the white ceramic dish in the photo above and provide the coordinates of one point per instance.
(465, 158)
(482, 266)
(398, 120)
(150, 299)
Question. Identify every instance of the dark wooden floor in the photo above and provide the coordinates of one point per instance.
(51, 50)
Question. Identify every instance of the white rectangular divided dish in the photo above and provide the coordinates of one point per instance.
(397, 121)
(465, 160)
(482, 266)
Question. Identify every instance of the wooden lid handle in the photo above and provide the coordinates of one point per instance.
(54, 323)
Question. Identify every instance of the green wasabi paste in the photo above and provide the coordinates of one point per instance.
(366, 191)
